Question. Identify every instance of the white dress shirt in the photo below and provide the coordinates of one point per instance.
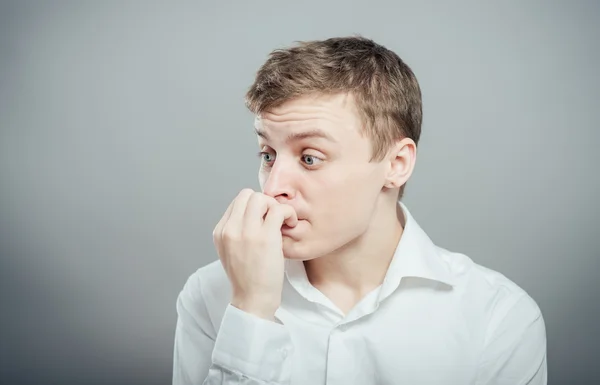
(438, 318)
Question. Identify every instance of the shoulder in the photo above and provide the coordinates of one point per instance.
(492, 292)
(513, 331)
(205, 296)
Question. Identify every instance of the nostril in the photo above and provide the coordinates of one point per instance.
(283, 198)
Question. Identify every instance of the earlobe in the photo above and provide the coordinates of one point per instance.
(394, 181)
(402, 159)
(391, 185)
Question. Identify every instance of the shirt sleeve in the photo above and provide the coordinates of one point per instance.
(515, 351)
(246, 350)
(253, 348)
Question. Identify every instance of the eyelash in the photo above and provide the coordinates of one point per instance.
(261, 155)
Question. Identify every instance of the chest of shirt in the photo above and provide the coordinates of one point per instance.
(419, 339)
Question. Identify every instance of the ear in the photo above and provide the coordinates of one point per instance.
(401, 157)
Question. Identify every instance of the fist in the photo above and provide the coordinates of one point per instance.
(249, 243)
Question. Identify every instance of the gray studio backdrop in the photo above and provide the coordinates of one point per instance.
(124, 137)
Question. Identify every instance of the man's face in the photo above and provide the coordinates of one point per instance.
(315, 158)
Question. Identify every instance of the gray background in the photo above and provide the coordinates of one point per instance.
(124, 137)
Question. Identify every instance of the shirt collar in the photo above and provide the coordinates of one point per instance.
(415, 256)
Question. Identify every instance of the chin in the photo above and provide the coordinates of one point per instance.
(297, 250)
(305, 249)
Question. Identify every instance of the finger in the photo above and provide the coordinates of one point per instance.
(218, 230)
(256, 210)
(280, 214)
(235, 220)
(219, 227)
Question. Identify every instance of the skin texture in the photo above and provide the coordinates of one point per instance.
(341, 208)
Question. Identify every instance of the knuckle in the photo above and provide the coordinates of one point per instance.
(255, 197)
(245, 192)
(270, 199)
(229, 236)
(276, 211)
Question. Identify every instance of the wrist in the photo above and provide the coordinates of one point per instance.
(263, 309)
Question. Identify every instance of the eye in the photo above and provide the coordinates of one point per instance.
(266, 157)
(311, 160)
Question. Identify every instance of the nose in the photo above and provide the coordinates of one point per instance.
(279, 182)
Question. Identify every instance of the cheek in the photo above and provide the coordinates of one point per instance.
(338, 215)
(340, 190)
(345, 205)
(262, 178)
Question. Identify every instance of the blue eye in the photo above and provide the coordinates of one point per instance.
(266, 157)
(310, 160)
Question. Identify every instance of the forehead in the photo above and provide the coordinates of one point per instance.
(335, 114)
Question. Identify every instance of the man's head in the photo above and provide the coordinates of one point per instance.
(338, 122)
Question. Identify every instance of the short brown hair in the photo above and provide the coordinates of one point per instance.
(384, 88)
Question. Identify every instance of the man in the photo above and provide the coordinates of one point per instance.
(325, 277)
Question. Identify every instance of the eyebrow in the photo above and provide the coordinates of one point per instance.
(297, 136)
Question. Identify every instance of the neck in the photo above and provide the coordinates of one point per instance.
(360, 266)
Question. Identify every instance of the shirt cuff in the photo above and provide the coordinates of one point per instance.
(253, 346)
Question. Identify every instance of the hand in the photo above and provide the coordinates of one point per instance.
(249, 243)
